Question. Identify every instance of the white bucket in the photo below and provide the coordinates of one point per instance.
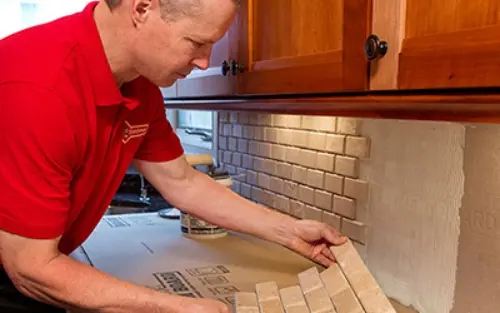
(196, 228)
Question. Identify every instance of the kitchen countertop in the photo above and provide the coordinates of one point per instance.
(138, 247)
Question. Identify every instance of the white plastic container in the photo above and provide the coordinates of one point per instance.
(198, 229)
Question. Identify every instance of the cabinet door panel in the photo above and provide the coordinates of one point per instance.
(297, 46)
(439, 44)
(211, 82)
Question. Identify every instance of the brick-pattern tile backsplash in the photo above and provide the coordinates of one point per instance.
(304, 166)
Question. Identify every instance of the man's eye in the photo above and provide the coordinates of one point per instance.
(197, 44)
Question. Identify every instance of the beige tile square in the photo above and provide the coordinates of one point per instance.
(243, 118)
(246, 191)
(230, 169)
(292, 155)
(322, 123)
(315, 178)
(242, 145)
(278, 152)
(223, 116)
(354, 230)
(252, 178)
(309, 280)
(264, 119)
(319, 301)
(284, 170)
(253, 148)
(335, 143)
(299, 174)
(323, 200)
(244, 299)
(344, 206)
(236, 161)
(256, 194)
(291, 189)
(287, 120)
(282, 204)
(248, 132)
(228, 157)
(271, 134)
(267, 291)
(306, 194)
(258, 133)
(271, 306)
(297, 209)
(223, 142)
(299, 138)
(347, 166)
(232, 144)
(292, 296)
(276, 185)
(356, 189)
(233, 117)
(285, 136)
(348, 125)
(325, 162)
(264, 181)
(312, 213)
(237, 131)
(316, 141)
(247, 161)
(308, 158)
(265, 149)
(357, 147)
(332, 219)
(269, 166)
(334, 183)
(227, 130)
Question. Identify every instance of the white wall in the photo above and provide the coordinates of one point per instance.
(416, 179)
(47, 10)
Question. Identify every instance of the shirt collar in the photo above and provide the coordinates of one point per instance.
(106, 91)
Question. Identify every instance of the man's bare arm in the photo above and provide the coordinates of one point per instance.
(39, 271)
(200, 195)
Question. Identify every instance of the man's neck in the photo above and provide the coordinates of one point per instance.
(112, 37)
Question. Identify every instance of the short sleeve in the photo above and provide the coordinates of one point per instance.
(161, 143)
(36, 161)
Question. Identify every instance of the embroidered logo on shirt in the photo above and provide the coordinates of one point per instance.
(134, 131)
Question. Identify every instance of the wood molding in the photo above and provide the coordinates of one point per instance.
(483, 107)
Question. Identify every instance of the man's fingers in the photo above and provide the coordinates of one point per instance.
(323, 260)
(328, 253)
(332, 236)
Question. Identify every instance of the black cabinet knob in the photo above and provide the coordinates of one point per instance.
(225, 68)
(231, 68)
(375, 48)
(236, 68)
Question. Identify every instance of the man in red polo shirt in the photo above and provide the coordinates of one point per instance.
(79, 103)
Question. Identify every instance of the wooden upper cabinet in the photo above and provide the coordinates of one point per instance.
(302, 46)
(437, 44)
(211, 82)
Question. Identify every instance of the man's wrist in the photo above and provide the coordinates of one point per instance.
(282, 228)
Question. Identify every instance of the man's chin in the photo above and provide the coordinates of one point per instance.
(167, 82)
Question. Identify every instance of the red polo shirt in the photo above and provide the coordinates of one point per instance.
(67, 133)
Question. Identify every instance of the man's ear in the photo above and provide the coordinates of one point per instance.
(141, 10)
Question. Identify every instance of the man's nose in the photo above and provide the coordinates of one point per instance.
(203, 61)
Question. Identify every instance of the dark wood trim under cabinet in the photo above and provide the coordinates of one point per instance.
(471, 107)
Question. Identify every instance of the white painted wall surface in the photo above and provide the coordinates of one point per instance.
(415, 173)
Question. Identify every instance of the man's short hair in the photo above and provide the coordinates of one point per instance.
(173, 8)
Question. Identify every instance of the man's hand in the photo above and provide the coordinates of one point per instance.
(312, 239)
(191, 305)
